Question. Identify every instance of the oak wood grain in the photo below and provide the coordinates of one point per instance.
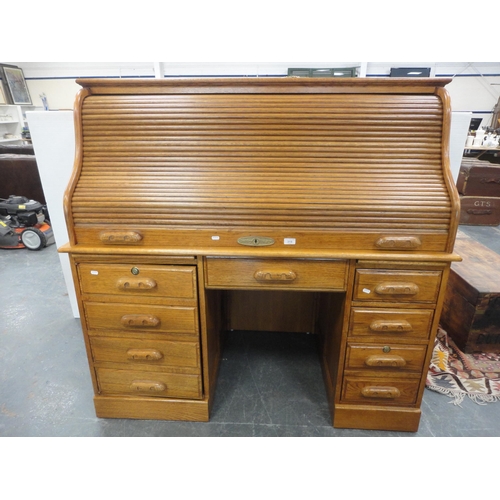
(247, 273)
(243, 159)
(349, 177)
(385, 357)
(170, 319)
(397, 286)
(372, 391)
(391, 324)
(140, 353)
(164, 281)
(151, 384)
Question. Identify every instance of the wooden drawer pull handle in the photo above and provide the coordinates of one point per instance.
(147, 386)
(385, 361)
(140, 320)
(380, 392)
(493, 180)
(135, 284)
(398, 242)
(381, 326)
(473, 211)
(120, 237)
(144, 355)
(275, 276)
(396, 289)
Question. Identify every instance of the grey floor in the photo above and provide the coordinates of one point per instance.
(264, 388)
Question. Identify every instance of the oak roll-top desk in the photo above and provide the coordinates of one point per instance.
(276, 204)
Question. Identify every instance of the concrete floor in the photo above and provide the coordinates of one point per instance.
(45, 387)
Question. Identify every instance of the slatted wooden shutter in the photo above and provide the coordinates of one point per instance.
(299, 161)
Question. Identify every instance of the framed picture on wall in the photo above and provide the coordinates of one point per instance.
(13, 78)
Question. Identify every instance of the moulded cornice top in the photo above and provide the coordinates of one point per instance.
(260, 84)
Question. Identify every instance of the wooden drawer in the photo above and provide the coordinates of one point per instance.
(151, 235)
(276, 273)
(395, 358)
(380, 391)
(391, 323)
(138, 317)
(143, 353)
(396, 286)
(144, 383)
(123, 279)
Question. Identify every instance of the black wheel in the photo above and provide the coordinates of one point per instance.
(33, 239)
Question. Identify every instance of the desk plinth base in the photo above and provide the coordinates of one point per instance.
(376, 418)
(151, 408)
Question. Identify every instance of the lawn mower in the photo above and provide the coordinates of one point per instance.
(24, 223)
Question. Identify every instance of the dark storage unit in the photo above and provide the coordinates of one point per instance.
(479, 210)
(478, 178)
(471, 310)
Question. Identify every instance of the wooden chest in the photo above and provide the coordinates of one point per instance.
(479, 210)
(471, 311)
(478, 178)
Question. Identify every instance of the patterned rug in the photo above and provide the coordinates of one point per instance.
(459, 375)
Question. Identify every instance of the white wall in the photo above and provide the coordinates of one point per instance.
(137, 69)
(459, 128)
(54, 143)
(60, 93)
(475, 86)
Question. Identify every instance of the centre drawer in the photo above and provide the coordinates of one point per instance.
(145, 352)
(396, 286)
(145, 318)
(276, 273)
(147, 280)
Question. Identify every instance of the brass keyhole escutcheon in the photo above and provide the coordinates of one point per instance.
(135, 271)
(386, 348)
(255, 241)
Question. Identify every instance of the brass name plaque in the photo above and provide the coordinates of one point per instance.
(255, 241)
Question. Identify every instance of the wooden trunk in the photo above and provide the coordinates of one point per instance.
(471, 311)
(479, 211)
(478, 178)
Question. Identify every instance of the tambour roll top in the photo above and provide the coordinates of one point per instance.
(304, 163)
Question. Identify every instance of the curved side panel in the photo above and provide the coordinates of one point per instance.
(448, 177)
(68, 194)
